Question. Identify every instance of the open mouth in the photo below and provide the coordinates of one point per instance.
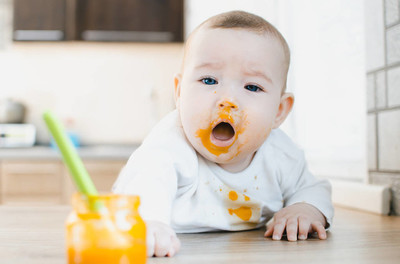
(223, 133)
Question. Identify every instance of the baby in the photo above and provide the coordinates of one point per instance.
(219, 161)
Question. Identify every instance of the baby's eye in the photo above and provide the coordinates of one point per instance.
(252, 88)
(209, 81)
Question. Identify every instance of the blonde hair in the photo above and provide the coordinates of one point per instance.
(245, 20)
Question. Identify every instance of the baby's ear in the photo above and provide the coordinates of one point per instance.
(177, 94)
(285, 106)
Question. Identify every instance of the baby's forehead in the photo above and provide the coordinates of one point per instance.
(204, 29)
(201, 35)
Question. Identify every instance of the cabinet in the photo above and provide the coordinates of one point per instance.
(48, 182)
(31, 182)
(130, 20)
(40, 20)
(99, 20)
(103, 174)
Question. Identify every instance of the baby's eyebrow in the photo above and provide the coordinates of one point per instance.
(258, 74)
(214, 65)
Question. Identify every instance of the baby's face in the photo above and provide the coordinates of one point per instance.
(229, 94)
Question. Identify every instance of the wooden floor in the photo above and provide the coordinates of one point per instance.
(36, 236)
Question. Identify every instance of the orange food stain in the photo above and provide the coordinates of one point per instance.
(242, 212)
(205, 134)
(233, 195)
(246, 198)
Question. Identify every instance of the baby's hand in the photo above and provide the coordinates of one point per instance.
(299, 218)
(161, 240)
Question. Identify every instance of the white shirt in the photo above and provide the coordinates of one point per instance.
(179, 187)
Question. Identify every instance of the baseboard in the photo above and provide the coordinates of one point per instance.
(366, 197)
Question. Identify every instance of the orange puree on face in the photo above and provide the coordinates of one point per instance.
(205, 134)
(242, 212)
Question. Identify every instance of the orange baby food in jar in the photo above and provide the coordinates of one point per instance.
(105, 229)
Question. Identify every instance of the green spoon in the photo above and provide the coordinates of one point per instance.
(78, 172)
(70, 156)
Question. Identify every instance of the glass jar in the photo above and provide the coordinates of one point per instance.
(105, 229)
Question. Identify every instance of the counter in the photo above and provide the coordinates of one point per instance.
(108, 152)
(37, 175)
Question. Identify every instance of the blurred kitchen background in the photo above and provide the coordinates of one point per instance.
(106, 68)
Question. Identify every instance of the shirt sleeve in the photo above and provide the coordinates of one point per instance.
(300, 185)
(153, 177)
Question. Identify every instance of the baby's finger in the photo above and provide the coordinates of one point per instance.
(279, 227)
(304, 228)
(270, 230)
(319, 228)
(150, 240)
(162, 245)
(175, 246)
(291, 229)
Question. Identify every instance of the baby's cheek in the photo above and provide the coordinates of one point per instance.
(193, 121)
(263, 135)
(259, 125)
(251, 139)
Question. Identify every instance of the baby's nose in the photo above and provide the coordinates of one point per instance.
(227, 104)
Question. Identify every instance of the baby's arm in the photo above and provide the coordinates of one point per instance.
(307, 202)
(161, 240)
(154, 180)
(298, 219)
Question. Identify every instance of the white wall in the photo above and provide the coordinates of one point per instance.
(114, 92)
(328, 79)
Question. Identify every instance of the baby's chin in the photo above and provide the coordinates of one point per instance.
(232, 162)
(236, 157)
(231, 156)
(220, 159)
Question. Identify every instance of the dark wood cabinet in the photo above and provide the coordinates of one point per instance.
(99, 20)
(130, 20)
(39, 19)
